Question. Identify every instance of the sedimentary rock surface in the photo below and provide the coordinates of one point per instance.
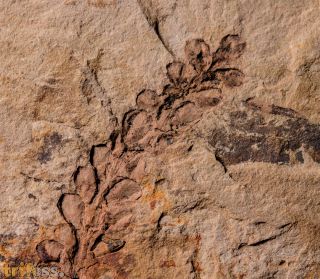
(160, 139)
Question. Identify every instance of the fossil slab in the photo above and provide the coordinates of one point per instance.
(160, 139)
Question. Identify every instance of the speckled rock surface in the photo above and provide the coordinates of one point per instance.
(160, 139)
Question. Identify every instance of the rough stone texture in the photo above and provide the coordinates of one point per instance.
(161, 139)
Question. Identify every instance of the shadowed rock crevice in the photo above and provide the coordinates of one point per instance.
(154, 23)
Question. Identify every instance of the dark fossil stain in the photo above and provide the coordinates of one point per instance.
(280, 139)
(50, 143)
(115, 245)
(7, 237)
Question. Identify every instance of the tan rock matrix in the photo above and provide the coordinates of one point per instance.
(160, 139)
